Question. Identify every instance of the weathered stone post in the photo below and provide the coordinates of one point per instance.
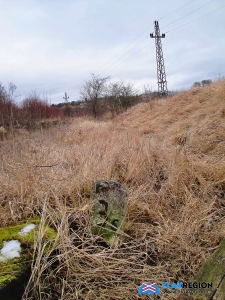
(109, 205)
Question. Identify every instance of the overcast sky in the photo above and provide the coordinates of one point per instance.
(52, 46)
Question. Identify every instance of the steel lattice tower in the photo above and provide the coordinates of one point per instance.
(161, 73)
(66, 98)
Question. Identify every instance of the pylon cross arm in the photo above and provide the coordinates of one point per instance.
(157, 36)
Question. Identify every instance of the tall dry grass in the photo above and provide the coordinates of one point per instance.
(169, 154)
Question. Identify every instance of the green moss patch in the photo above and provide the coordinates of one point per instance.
(13, 269)
(214, 271)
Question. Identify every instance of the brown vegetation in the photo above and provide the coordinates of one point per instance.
(169, 154)
(31, 111)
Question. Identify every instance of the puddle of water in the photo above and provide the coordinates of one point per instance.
(10, 250)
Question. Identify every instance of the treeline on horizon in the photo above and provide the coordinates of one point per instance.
(25, 114)
(98, 96)
(32, 109)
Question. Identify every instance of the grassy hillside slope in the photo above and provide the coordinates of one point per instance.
(168, 153)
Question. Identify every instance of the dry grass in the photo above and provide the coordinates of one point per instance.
(169, 154)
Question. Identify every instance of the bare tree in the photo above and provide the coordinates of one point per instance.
(147, 89)
(8, 109)
(113, 97)
(196, 84)
(148, 93)
(206, 82)
(120, 96)
(11, 90)
(202, 83)
(93, 91)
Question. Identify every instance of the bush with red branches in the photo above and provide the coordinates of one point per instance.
(26, 115)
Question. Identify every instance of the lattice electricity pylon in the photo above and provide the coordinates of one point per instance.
(162, 84)
(66, 98)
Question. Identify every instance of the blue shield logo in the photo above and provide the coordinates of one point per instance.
(148, 288)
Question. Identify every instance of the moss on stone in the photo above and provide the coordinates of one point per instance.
(14, 268)
(220, 293)
(213, 271)
(10, 270)
(12, 232)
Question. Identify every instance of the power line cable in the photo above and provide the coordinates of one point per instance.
(196, 19)
(123, 49)
(167, 32)
(131, 56)
(187, 14)
(103, 68)
(161, 28)
(123, 55)
(175, 10)
(141, 35)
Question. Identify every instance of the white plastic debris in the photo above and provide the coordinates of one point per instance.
(10, 250)
(26, 229)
